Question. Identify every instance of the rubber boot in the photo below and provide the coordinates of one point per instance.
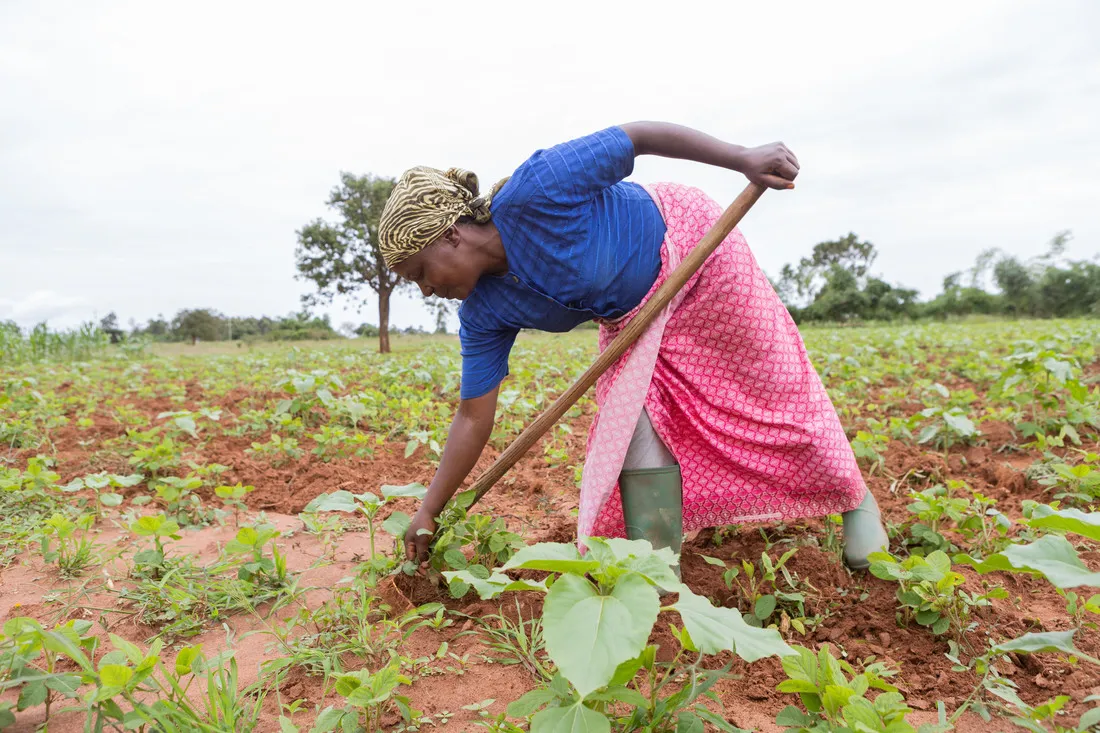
(653, 507)
(863, 533)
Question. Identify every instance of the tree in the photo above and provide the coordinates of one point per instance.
(109, 325)
(1016, 281)
(813, 272)
(201, 323)
(341, 258)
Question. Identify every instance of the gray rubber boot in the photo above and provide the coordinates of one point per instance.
(864, 533)
(653, 506)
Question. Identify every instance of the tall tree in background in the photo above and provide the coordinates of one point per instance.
(200, 323)
(806, 281)
(341, 258)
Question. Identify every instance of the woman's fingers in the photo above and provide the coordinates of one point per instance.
(773, 181)
(785, 169)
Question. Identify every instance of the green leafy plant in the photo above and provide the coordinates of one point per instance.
(837, 700)
(368, 505)
(368, 695)
(869, 449)
(471, 542)
(277, 450)
(336, 442)
(762, 599)
(233, 497)
(97, 482)
(599, 611)
(179, 500)
(152, 561)
(256, 566)
(74, 551)
(157, 459)
(931, 592)
(947, 427)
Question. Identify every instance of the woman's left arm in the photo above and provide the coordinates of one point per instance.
(770, 165)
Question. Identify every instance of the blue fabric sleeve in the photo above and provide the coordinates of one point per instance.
(573, 172)
(484, 358)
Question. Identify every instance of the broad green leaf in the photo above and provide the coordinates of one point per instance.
(619, 694)
(32, 694)
(1090, 720)
(531, 702)
(961, 424)
(397, 524)
(589, 635)
(328, 720)
(860, 712)
(713, 561)
(792, 717)
(1051, 556)
(494, 585)
(796, 686)
(1062, 370)
(723, 629)
(764, 606)
(186, 658)
(110, 499)
(416, 491)
(575, 718)
(411, 447)
(1047, 641)
(455, 559)
(347, 684)
(115, 675)
(689, 723)
(127, 481)
(1086, 524)
(187, 425)
(554, 557)
(337, 501)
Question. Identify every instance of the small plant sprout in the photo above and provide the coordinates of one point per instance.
(233, 496)
(98, 482)
(368, 505)
(159, 527)
(74, 552)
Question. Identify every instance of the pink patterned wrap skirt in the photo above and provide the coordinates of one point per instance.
(729, 388)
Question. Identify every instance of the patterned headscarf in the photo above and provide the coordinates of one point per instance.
(424, 204)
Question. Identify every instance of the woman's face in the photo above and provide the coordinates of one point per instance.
(444, 268)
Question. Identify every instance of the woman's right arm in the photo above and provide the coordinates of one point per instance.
(470, 431)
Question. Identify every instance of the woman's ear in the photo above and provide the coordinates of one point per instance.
(453, 236)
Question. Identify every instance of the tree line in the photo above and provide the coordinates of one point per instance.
(207, 324)
(834, 284)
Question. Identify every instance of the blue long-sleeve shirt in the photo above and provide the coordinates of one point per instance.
(581, 244)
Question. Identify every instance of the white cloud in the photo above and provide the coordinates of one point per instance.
(46, 305)
(157, 157)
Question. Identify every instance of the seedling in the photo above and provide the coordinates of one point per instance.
(75, 552)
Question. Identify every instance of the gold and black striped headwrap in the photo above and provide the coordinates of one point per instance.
(424, 204)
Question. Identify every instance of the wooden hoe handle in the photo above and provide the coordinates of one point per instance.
(630, 333)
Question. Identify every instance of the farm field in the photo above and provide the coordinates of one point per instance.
(203, 539)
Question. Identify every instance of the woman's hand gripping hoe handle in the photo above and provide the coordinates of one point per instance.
(631, 333)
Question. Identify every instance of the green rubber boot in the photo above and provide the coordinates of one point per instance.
(863, 533)
(653, 507)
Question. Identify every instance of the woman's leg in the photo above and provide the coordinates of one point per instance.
(652, 490)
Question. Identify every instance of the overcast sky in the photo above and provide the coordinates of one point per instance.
(156, 156)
